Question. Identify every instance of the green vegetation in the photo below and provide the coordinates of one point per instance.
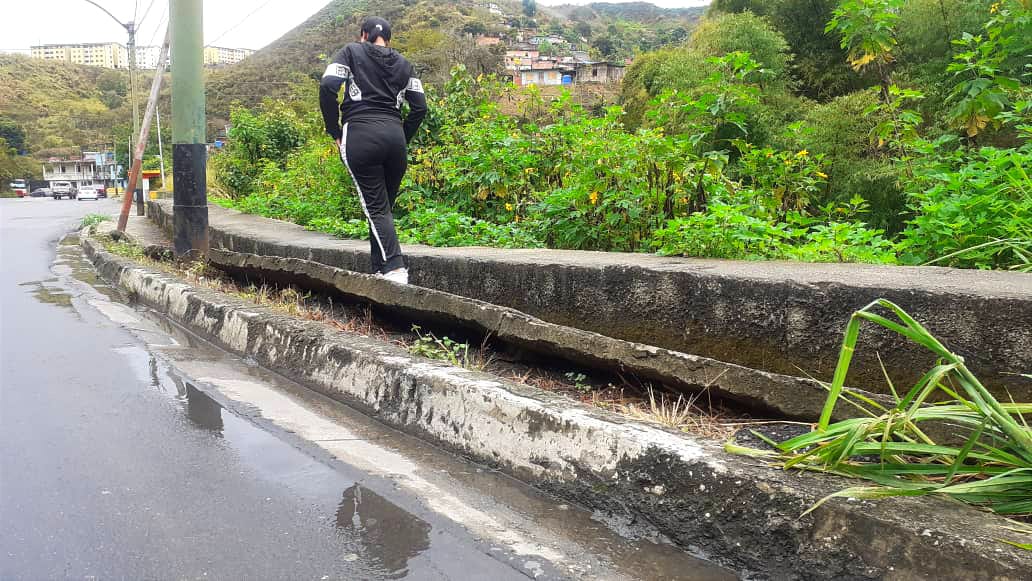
(911, 153)
(986, 461)
(57, 109)
(436, 36)
(92, 220)
(428, 345)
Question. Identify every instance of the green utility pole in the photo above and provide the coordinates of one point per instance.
(189, 151)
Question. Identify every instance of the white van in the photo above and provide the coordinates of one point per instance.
(62, 190)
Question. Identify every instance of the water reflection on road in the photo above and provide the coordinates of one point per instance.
(383, 535)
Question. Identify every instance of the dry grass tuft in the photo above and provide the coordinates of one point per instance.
(684, 414)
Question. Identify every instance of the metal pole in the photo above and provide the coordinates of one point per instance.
(189, 152)
(141, 142)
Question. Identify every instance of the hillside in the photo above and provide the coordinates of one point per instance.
(437, 35)
(423, 30)
(60, 105)
(643, 12)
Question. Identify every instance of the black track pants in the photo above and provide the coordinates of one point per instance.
(376, 155)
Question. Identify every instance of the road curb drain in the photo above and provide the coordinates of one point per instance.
(730, 509)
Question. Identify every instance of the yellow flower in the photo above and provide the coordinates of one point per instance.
(994, 8)
(802, 153)
(770, 154)
(529, 170)
(822, 175)
(508, 207)
(593, 197)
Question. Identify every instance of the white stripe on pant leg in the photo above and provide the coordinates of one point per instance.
(361, 196)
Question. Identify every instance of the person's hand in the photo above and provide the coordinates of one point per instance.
(337, 141)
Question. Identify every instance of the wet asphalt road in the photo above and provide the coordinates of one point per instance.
(103, 477)
(115, 465)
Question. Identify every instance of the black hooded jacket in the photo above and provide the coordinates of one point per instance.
(377, 80)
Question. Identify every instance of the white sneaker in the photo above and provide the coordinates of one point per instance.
(398, 275)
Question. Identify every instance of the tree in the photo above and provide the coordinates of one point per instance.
(12, 134)
(546, 48)
(475, 27)
(14, 166)
(604, 45)
(819, 62)
(727, 33)
(530, 8)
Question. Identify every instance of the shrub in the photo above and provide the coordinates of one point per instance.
(721, 34)
(966, 199)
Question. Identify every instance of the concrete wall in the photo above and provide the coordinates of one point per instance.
(782, 317)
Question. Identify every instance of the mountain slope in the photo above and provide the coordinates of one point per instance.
(437, 35)
(299, 57)
(61, 105)
(643, 12)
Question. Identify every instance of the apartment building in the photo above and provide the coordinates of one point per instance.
(215, 56)
(109, 55)
(147, 57)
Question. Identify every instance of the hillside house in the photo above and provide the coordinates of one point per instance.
(601, 72)
(80, 171)
(108, 172)
(485, 40)
(539, 77)
(552, 39)
(520, 59)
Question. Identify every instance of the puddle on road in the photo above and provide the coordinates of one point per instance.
(50, 295)
(384, 536)
(72, 262)
(372, 530)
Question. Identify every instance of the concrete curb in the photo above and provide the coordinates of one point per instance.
(787, 395)
(780, 317)
(728, 508)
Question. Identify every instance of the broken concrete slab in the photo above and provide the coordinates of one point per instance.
(759, 390)
(781, 317)
(732, 509)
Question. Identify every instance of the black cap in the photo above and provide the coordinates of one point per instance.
(376, 27)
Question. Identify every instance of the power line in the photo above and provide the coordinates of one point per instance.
(242, 20)
(161, 22)
(145, 13)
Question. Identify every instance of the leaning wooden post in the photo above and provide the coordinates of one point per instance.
(141, 143)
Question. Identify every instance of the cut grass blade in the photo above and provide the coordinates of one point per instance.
(991, 468)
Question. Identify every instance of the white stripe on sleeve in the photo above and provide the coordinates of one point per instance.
(338, 70)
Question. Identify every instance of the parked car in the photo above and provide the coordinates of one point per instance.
(101, 191)
(62, 190)
(87, 193)
(20, 187)
(41, 193)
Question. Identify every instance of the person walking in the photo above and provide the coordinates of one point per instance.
(370, 133)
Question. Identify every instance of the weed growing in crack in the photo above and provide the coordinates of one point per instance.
(445, 349)
(685, 414)
(92, 220)
(579, 381)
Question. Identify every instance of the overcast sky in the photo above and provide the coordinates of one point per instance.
(229, 23)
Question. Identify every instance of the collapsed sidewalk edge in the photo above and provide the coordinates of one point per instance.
(727, 508)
